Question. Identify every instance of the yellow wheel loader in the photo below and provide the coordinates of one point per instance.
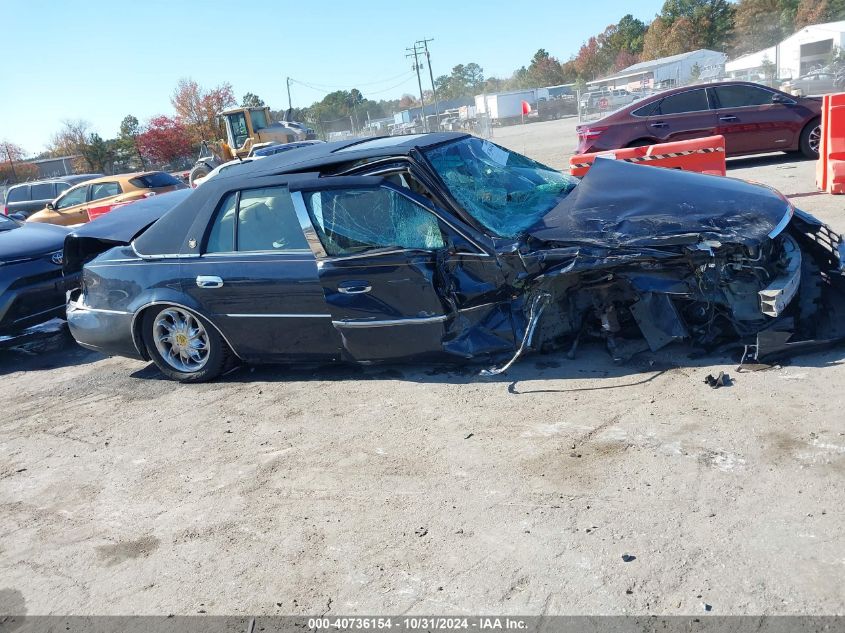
(246, 129)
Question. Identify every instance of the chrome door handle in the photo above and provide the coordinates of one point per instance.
(727, 119)
(355, 288)
(204, 281)
(658, 124)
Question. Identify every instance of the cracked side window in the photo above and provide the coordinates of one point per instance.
(351, 221)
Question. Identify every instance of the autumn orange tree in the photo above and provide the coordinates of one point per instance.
(197, 108)
(12, 167)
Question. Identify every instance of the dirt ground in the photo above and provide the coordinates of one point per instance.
(565, 487)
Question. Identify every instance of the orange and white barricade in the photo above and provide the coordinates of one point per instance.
(830, 168)
(704, 155)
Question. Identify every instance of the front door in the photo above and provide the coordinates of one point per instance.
(751, 122)
(378, 267)
(257, 280)
(71, 207)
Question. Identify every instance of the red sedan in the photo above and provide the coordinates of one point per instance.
(752, 118)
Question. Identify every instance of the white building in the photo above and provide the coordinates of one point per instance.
(675, 70)
(811, 47)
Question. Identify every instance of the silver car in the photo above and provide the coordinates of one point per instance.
(815, 83)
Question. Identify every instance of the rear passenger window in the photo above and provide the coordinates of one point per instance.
(42, 191)
(18, 194)
(104, 190)
(350, 221)
(256, 220)
(646, 110)
(689, 101)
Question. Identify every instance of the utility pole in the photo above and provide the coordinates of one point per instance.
(415, 51)
(431, 76)
(290, 107)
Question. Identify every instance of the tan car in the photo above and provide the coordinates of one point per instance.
(94, 198)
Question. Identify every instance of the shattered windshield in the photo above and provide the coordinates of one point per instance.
(506, 192)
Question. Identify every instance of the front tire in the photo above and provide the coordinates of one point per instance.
(200, 170)
(811, 137)
(183, 345)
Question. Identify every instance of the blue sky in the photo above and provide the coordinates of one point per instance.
(100, 60)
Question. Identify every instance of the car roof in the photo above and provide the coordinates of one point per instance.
(657, 96)
(168, 234)
(324, 154)
(116, 177)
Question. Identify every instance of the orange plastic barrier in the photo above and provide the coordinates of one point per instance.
(704, 155)
(830, 168)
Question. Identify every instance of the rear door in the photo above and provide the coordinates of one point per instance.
(683, 115)
(100, 198)
(257, 280)
(378, 266)
(751, 122)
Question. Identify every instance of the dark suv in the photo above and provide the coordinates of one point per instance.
(29, 197)
(751, 117)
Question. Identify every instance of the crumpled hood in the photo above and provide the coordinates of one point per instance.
(619, 204)
(31, 240)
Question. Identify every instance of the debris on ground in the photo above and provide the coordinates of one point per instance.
(722, 380)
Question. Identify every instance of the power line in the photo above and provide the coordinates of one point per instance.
(401, 83)
(369, 92)
(355, 85)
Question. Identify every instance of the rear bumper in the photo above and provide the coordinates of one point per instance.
(106, 331)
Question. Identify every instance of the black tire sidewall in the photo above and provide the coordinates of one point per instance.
(804, 144)
(199, 170)
(218, 354)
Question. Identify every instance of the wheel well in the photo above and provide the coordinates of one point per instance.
(812, 122)
(137, 337)
(138, 320)
(641, 142)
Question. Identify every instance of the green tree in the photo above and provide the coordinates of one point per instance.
(762, 23)
(251, 100)
(770, 70)
(465, 80)
(695, 24)
(545, 70)
(99, 153)
(818, 12)
(126, 145)
(695, 72)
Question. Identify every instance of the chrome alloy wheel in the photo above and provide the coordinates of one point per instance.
(181, 340)
(815, 138)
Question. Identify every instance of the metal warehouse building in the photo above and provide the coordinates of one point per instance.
(666, 72)
(811, 47)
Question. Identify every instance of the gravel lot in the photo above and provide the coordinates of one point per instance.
(563, 487)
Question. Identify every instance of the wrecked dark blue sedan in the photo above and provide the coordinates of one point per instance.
(448, 247)
(32, 288)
